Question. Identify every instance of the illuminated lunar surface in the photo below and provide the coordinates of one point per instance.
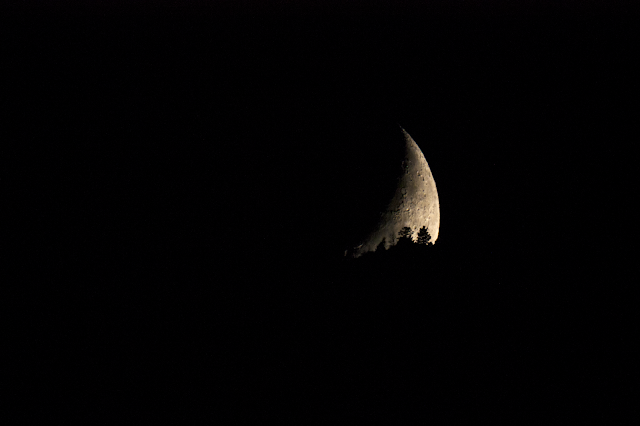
(415, 203)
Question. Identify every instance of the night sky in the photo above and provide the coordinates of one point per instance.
(183, 179)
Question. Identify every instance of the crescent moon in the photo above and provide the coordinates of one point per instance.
(414, 204)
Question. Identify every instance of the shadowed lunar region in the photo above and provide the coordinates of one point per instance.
(415, 203)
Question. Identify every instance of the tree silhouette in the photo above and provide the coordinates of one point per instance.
(404, 246)
(405, 233)
(424, 237)
(401, 246)
(404, 238)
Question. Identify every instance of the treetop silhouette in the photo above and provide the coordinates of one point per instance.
(424, 237)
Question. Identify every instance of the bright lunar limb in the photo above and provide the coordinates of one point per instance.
(415, 203)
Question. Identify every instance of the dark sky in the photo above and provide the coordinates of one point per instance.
(183, 178)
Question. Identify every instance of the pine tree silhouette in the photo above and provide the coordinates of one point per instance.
(424, 237)
(404, 238)
(400, 246)
(404, 246)
(405, 233)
